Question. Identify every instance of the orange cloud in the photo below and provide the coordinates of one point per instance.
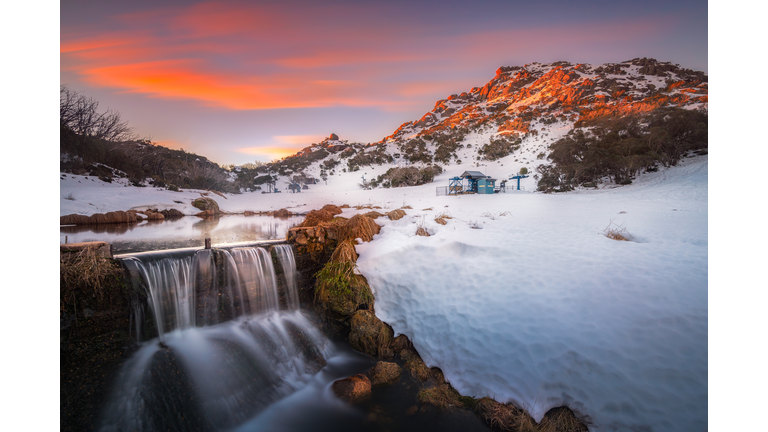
(271, 152)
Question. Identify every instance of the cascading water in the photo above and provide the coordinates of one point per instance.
(225, 349)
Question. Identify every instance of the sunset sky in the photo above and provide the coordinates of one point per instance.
(244, 81)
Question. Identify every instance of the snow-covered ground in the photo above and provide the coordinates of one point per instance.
(520, 296)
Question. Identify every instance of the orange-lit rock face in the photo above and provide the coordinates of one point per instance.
(517, 96)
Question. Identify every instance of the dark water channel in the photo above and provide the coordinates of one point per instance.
(188, 231)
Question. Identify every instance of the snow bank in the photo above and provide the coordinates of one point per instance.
(539, 308)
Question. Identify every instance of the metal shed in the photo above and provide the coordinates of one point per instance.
(472, 178)
(486, 185)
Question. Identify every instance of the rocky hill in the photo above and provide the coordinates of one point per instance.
(525, 114)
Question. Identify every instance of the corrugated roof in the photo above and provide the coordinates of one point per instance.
(473, 174)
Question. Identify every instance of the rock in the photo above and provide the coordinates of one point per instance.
(370, 335)
(352, 389)
(205, 203)
(172, 214)
(384, 373)
(334, 137)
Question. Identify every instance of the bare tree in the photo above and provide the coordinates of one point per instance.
(80, 114)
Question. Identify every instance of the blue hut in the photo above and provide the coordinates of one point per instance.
(472, 178)
(486, 185)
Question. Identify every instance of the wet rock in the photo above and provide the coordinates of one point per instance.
(384, 373)
(352, 389)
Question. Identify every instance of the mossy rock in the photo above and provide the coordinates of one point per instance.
(205, 203)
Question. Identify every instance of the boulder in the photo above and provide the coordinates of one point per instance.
(334, 137)
(384, 373)
(206, 204)
(352, 389)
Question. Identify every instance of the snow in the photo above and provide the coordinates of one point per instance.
(537, 306)
(540, 309)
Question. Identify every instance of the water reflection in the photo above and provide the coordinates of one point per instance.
(188, 231)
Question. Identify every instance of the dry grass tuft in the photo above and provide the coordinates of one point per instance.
(504, 417)
(441, 221)
(282, 213)
(316, 217)
(358, 226)
(373, 214)
(332, 209)
(442, 396)
(420, 231)
(417, 368)
(616, 232)
(406, 207)
(396, 214)
(87, 272)
(345, 252)
(427, 209)
(561, 419)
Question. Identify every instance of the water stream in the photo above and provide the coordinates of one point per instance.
(225, 346)
(220, 341)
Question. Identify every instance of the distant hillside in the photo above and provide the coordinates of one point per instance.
(581, 123)
(570, 125)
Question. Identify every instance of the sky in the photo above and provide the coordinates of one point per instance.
(245, 81)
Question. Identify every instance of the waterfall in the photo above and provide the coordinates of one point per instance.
(285, 257)
(225, 348)
(208, 287)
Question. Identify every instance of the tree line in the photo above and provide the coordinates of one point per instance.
(619, 148)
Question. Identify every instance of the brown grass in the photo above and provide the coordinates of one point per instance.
(345, 252)
(358, 226)
(441, 221)
(282, 213)
(316, 217)
(88, 272)
(561, 419)
(422, 232)
(332, 209)
(616, 232)
(373, 214)
(396, 214)
(418, 369)
(442, 396)
(504, 417)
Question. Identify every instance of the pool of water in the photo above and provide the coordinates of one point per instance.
(188, 231)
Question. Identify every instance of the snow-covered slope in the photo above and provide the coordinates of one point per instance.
(539, 308)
